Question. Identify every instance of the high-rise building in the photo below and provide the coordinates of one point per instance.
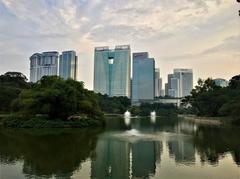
(43, 64)
(180, 83)
(68, 65)
(175, 88)
(160, 87)
(185, 77)
(166, 89)
(143, 80)
(157, 82)
(170, 76)
(112, 70)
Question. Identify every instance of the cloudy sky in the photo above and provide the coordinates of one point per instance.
(200, 34)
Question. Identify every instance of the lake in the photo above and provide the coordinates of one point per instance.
(165, 148)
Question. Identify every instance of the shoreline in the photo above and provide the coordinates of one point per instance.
(214, 121)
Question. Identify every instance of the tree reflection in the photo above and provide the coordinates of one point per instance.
(213, 143)
(51, 154)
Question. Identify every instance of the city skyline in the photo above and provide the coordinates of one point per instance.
(179, 34)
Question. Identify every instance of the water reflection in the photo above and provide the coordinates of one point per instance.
(121, 159)
(56, 154)
(140, 149)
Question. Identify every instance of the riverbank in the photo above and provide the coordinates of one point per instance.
(216, 121)
(43, 122)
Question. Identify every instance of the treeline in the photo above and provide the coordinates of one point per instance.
(161, 109)
(113, 105)
(208, 99)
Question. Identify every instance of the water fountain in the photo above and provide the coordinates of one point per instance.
(153, 117)
(127, 118)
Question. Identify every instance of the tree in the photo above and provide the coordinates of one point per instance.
(58, 99)
(206, 99)
(235, 82)
(11, 85)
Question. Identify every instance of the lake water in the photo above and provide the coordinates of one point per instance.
(162, 148)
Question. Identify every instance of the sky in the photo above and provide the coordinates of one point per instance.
(200, 34)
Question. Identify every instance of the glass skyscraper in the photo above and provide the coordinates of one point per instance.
(185, 77)
(180, 83)
(157, 82)
(68, 65)
(143, 81)
(112, 70)
(43, 64)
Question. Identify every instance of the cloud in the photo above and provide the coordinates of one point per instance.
(179, 29)
(230, 44)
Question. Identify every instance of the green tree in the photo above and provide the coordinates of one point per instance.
(11, 85)
(58, 99)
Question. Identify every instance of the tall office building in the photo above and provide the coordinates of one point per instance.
(112, 70)
(43, 64)
(143, 81)
(68, 65)
(175, 88)
(157, 82)
(180, 83)
(185, 77)
(170, 76)
(160, 87)
(166, 89)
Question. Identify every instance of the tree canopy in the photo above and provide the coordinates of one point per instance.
(207, 99)
(57, 98)
(11, 85)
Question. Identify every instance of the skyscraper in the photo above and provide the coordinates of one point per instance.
(166, 89)
(180, 83)
(160, 87)
(157, 82)
(185, 77)
(68, 65)
(112, 70)
(143, 81)
(43, 64)
(175, 88)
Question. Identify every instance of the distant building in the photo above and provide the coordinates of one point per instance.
(162, 93)
(112, 70)
(166, 89)
(143, 82)
(43, 64)
(221, 82)
(180, 83)
(185, 77)
(170, 76)
(175, 87)
(68, 65)
(157, 82)
(160, 87)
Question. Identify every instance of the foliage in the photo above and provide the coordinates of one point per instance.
(58, 99)
(207, 99)
(11, 85)
(161, 109)
(15, 121)
(114, 105)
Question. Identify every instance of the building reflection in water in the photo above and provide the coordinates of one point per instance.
(182, 150)
(120, 159)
